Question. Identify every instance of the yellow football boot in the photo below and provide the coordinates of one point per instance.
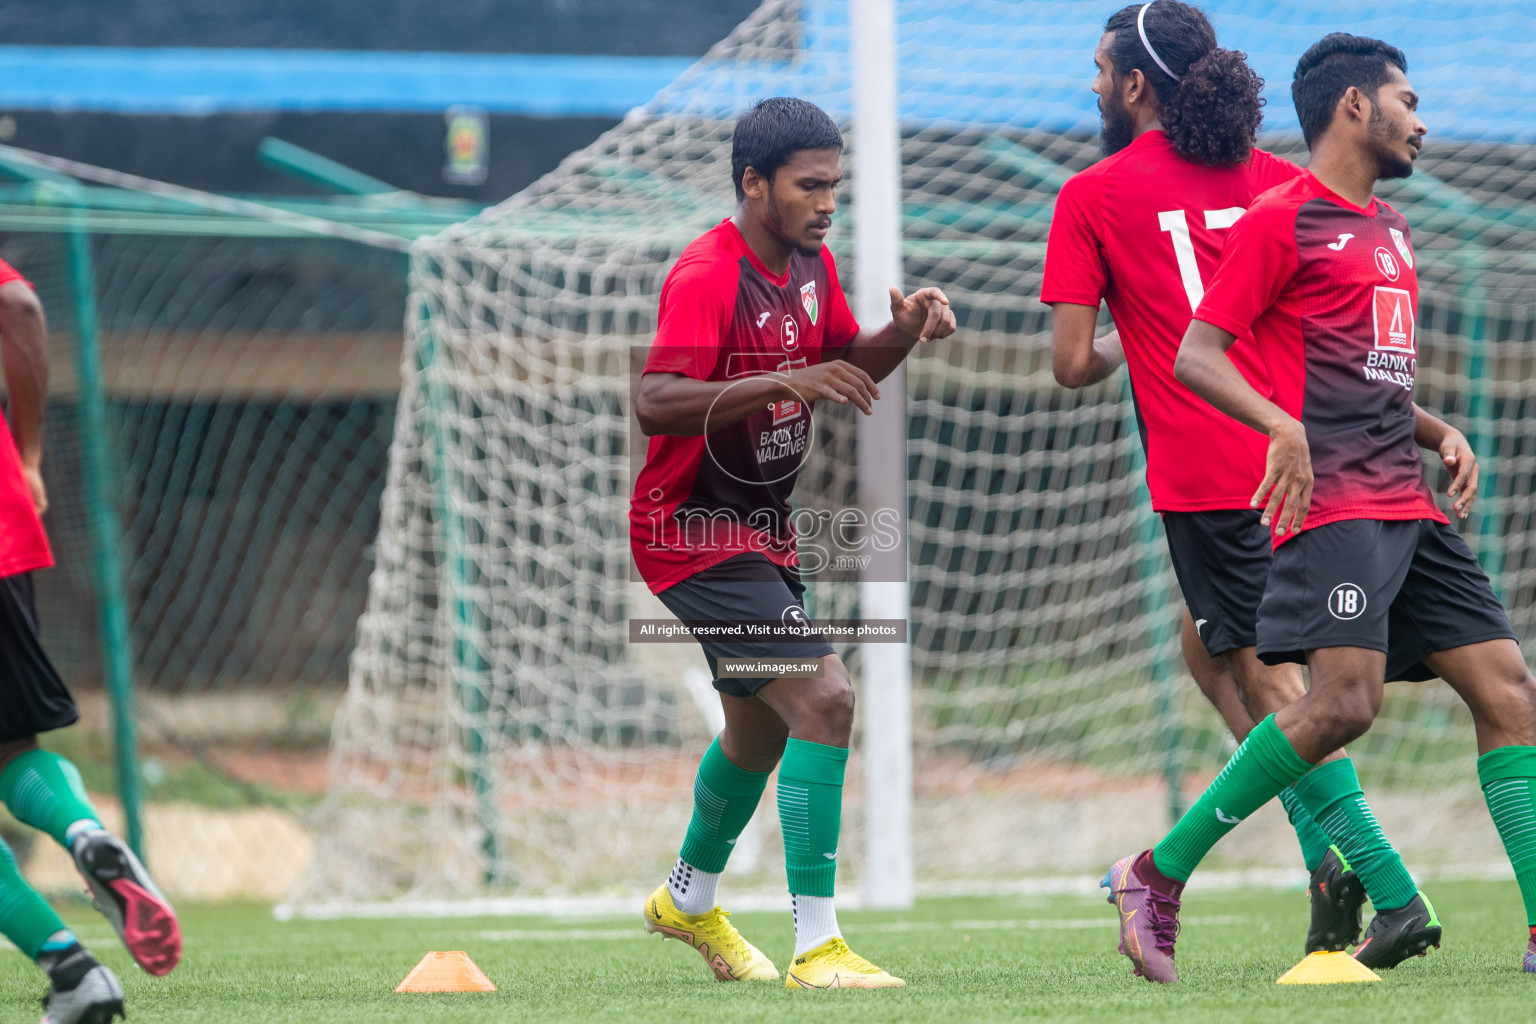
(833, 965)
(730, 956)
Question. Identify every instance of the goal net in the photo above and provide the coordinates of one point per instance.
(502, 735)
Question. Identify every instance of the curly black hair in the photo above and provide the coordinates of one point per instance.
(1212, 113)
(1333, 64)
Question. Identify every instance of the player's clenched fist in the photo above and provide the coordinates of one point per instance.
(837, 380)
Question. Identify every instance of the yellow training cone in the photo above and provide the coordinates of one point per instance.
(446, 972)
(1327, 969)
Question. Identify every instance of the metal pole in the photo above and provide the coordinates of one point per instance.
(315, 169)
(468, 665)
(101, 515)
(882, 469)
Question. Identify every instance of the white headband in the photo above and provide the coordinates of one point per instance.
(1141, 27)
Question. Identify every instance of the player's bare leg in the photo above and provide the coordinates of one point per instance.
(754, 733)
(1498, 689)
(1215, 680)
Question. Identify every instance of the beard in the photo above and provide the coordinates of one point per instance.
(1118, 128)
(1384, 138)
(776, 223)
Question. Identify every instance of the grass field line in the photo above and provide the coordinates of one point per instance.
(1010, 924)
(617, 906)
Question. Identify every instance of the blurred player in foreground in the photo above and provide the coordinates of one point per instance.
(1143, 229)
(753, 329)
(1369, 580)
(39, 787)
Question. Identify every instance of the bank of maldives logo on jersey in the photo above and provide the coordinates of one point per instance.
(808, 300)
(1393, 318)
(784, 411)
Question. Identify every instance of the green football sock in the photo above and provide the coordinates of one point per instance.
(1508, 775)
(25, 917)
(1314, 843)
(724, 797)
(44, 790)
(1331, 794)
(811, 814)
(1265, 763)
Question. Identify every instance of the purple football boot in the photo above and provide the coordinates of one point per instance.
(1149, 915)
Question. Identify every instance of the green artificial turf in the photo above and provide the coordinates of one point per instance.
(1008, 958)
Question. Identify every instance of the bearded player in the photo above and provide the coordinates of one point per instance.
(39, 787)
(1143, 229)
(1369, 582)
(754, 328)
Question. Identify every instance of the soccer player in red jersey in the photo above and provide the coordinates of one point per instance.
(1142, 229)
(753, 329)
(1369, 581)
(39, 787)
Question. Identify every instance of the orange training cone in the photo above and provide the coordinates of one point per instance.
(1323, 968)
(446, 972)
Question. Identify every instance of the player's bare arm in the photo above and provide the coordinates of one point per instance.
(1203, 367)
(1433, 433)
(1078, 359)
(24, 352)
(680, 406)
(923, 316)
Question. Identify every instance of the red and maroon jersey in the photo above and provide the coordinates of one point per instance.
(1142, 229)
(23, 544)
(725, 316)
(1329, 292)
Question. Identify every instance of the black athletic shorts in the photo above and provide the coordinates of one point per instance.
(746, 588)
(33, 698)
(1407, 588)
(1222, 560)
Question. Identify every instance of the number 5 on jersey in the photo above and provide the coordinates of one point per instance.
(1176, 224)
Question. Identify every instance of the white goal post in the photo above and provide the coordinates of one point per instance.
(882, 463)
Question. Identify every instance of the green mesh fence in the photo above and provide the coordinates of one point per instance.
(248, 374)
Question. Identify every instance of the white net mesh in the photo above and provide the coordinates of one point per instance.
(500, 734)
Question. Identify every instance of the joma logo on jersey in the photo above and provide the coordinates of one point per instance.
(1393, 321)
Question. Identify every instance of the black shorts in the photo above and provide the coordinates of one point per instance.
(1407, 588)
(33, 698)
(1222, 561)
(745, 588)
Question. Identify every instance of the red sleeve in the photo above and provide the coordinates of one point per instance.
(1267, 170)
(696, 307)
(9, 273)
(1075, 270)
(842, 328)
(1257, 262)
